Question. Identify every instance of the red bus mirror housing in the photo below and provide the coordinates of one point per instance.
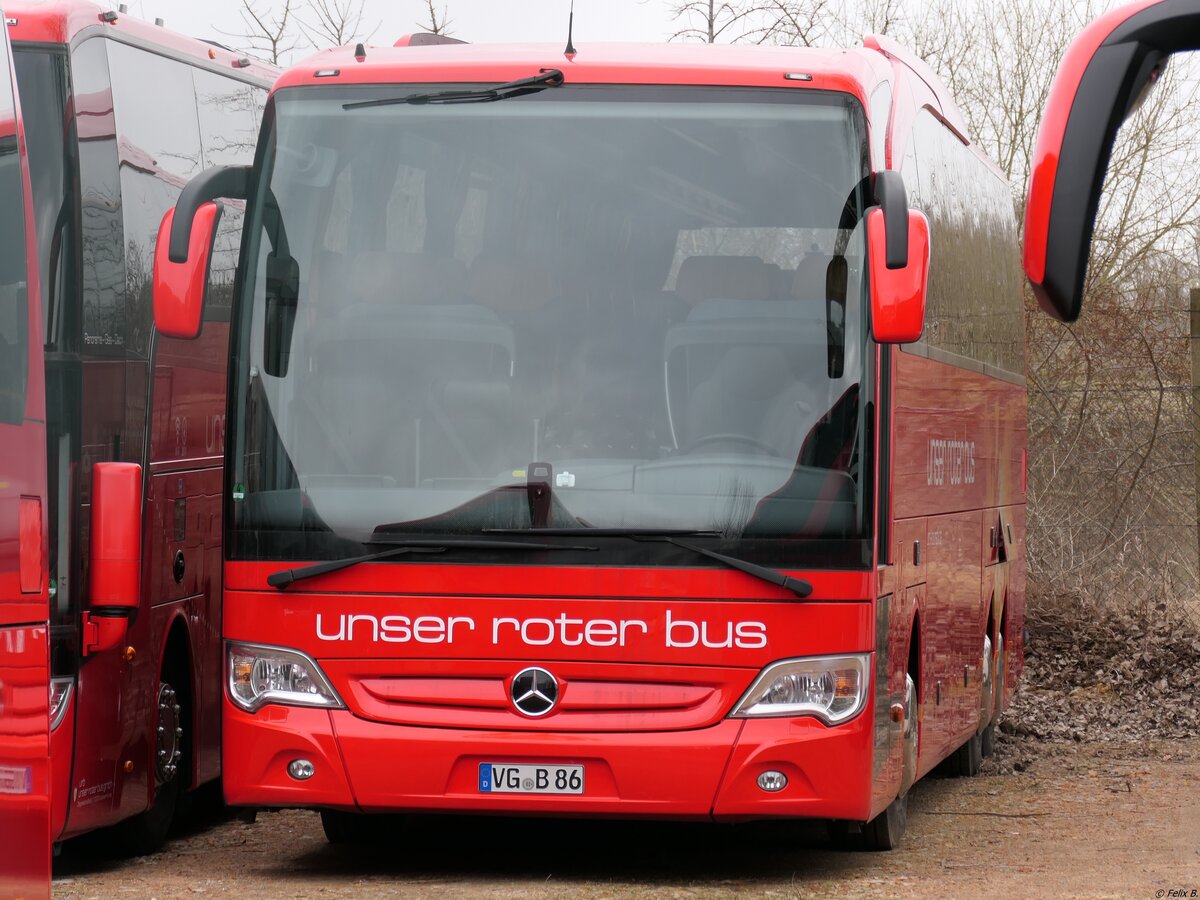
(1104, 76)
(184, 248)
(898, 292)
(179, 286)
(115, 555)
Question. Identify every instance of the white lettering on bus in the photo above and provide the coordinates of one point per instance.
(950, 462)
(685, 633)
(570, 632)
(214, 434)
(396, 629)
(541, 632)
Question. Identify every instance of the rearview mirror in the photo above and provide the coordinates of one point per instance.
(179, 286)
(115, 554)
(1106, 73)
(184, 249)
(898, 291)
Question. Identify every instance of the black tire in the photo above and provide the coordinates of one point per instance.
(966, 761)
(886, 830)
(146, 832)
(987, 740)
(346, 828)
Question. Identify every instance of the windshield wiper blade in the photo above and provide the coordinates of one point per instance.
(544, 79)
(286, 577)
(797, 586)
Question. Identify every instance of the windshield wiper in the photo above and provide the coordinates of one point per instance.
(797, 586)
(286, 577)
(544, 79)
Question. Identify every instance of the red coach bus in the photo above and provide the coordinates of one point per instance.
(119, 114)
(24, 615)
(588, 413)
(1107, 72)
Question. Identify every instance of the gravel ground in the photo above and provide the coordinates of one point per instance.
(1082, 818)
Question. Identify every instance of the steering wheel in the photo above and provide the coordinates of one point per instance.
(732, 438)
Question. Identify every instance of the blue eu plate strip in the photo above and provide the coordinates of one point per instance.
(485, 777)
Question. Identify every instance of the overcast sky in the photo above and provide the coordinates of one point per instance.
(478, 21)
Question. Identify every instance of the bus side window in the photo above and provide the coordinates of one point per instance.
(229, 113)
(14, 317)
(159, 150)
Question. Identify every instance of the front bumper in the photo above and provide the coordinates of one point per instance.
(691, 774)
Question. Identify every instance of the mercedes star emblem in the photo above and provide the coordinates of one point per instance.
(534, 691)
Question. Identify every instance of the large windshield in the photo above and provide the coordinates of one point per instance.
(627, 308)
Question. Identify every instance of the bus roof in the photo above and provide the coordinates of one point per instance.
(855, 71)
(67, 21)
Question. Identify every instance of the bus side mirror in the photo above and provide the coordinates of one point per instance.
(115, 554)
(1103, 77)
(184, 249)
(179, 286)
(898, 291)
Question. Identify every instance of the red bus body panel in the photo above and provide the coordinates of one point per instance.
(24, 598)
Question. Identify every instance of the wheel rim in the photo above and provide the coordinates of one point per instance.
(998, 692)
(911, 735)
(170, 734)
(987, 700)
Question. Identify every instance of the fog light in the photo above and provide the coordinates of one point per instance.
(301, 769)
(772, 781)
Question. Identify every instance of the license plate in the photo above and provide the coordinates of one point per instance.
(520, 778)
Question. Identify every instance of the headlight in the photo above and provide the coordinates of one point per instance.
(832, 688)
(260, 675)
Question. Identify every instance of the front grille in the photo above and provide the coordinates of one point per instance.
(591, 696)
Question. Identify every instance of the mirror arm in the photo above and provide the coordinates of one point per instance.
(232, 182)
(893, 200)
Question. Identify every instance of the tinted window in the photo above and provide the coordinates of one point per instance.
(229, 113)
(102, 269)
(14, 318)
(43, 81)
(974, 306)
(159, 151)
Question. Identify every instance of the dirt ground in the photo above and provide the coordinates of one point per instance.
(1078, 819)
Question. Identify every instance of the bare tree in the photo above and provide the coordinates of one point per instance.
(269, 33)
(1112, 423)
(435, 24)
(334, 23)
(713, 20)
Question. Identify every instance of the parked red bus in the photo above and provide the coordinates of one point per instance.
(24, 610)
(119, 114)
(595, 447)
(1107, 71)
